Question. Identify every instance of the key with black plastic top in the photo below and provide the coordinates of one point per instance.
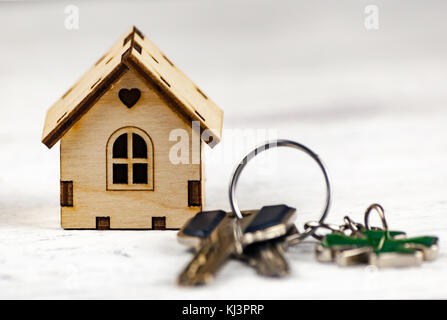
(199, 227)
(231, 236)
(266, 257)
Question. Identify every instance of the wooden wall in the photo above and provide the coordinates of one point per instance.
(83, 161)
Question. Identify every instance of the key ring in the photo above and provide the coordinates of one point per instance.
(317, 225)
(270, 145)
(381, 213)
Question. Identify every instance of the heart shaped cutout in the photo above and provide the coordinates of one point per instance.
(129, 97)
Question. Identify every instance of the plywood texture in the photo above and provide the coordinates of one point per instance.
(196, 104)
(80, 96)
(133, 49)
(83, 161)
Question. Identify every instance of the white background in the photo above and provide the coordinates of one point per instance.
(371, 103)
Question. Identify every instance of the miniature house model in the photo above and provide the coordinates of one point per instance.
(114, 127)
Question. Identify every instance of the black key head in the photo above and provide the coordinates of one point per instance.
(203, 223)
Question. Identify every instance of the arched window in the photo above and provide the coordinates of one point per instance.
(130, 160)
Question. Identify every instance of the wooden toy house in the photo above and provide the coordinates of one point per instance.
(114, 127)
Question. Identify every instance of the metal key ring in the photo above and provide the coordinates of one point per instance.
(270, 145)
(317, 225)
(381, 213)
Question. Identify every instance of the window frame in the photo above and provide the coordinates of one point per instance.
(130, 161)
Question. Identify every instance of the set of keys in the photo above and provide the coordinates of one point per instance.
(260, 238)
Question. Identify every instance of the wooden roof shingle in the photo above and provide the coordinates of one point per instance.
(133, 50)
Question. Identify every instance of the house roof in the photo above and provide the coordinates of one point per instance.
(133, 50)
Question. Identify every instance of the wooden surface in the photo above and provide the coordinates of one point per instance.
(372, 104)
(85, 147)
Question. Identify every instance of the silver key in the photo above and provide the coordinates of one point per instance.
(266, 257)
(232, 236)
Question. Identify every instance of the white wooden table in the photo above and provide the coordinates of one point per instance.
(371, 103)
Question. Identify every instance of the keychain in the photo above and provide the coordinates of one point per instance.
(351, 243)
(260, 237)
(354, 243)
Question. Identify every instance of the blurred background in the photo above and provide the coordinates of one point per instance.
(362, 82)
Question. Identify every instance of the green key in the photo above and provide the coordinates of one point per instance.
(381, 248)
(377, 247)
